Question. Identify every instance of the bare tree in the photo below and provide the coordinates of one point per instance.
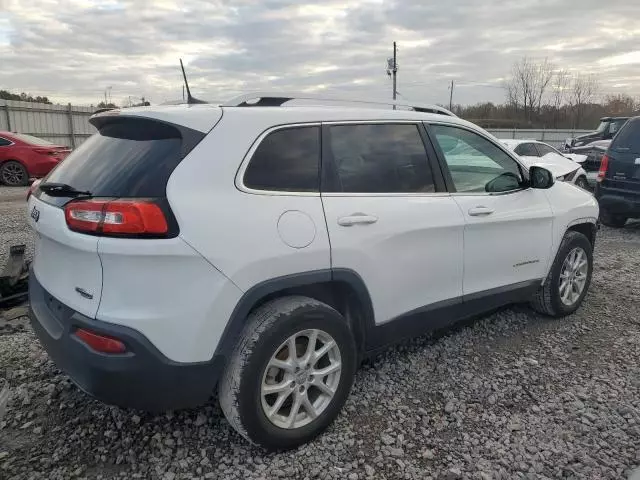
(560, 90)
(528, 84)
(583, 89)
(620, 104)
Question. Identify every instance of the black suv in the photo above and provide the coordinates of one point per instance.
(607, 129)
(618, 183)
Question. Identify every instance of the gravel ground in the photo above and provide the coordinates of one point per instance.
(13, 225)
(514, 395)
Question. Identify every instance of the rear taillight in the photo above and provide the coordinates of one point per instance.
(604, 166)
(116, 217)
(33, 187)
(45, 151)
(100, 343)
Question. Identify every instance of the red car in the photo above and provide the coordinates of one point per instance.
(23, 157)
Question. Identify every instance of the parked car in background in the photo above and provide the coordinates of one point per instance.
(594, 153)
(618, 186)
(23, 157)
(607, 129)
(565, 166)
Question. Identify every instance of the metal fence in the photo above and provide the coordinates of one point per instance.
(552, 137)
(68, 125)
(61, 124)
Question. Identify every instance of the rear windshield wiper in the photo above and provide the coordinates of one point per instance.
(61, 190)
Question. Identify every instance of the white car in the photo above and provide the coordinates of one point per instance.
(566, 167)
(264, 250)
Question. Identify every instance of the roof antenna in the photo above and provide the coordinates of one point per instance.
(190, 99)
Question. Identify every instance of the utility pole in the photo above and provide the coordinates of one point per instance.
(451, 96)
(392, 70)
(395, 72)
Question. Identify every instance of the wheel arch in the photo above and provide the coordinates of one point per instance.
(588, 226)
(342, 289)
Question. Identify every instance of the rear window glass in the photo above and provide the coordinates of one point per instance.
(126, 158)
(628, 138)
(31, 139)
(286, 160)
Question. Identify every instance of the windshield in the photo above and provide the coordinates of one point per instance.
(31, 139)
(602, 127)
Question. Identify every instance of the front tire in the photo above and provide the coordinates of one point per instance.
(568, 281)
(612, 220)
(14, 174)
(290, 373)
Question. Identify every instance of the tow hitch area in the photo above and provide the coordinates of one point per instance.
(14, 278)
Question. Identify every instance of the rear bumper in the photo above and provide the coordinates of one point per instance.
(41, 167)
(618, 204)
(141, 378)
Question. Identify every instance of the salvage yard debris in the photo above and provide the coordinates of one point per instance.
(14, 277)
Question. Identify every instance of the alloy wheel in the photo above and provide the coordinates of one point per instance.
(301, 379)
(13, 174)
(573, 276)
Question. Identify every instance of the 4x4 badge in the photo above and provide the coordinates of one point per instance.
(35, 214)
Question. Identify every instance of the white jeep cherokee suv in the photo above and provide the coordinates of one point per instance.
(264, 249)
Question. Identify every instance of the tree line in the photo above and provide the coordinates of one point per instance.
(539, 95)
(23, 97)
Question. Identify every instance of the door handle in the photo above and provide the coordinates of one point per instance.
(356, 219)
(480, 211)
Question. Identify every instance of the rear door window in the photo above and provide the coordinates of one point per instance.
(127, 158)
(527, 150)
(380, 158)
(544, 149)
(628, 138)
(286, 160)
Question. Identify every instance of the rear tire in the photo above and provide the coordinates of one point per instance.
(582, 183)
(14, 174)
(612, 220)
(559, 295)
(299, 408)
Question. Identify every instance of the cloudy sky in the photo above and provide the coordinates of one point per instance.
(72, 50)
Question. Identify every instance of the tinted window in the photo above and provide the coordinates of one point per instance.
(126, 158)
(615, 126)
(475, 163)
(286, 160)
(380, 158)
(526, 150)
(4, 142)
(544, 149)
(31, 139)
(628, 138)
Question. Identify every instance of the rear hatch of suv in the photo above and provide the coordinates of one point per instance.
(113, 185)
(622, 169)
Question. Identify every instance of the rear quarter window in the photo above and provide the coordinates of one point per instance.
(286, 160)
(628, 138)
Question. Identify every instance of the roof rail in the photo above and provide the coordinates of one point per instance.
(261, 99)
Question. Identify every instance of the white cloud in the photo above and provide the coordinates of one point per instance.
(73, 50)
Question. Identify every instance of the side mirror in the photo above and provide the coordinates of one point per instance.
(540, 178)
